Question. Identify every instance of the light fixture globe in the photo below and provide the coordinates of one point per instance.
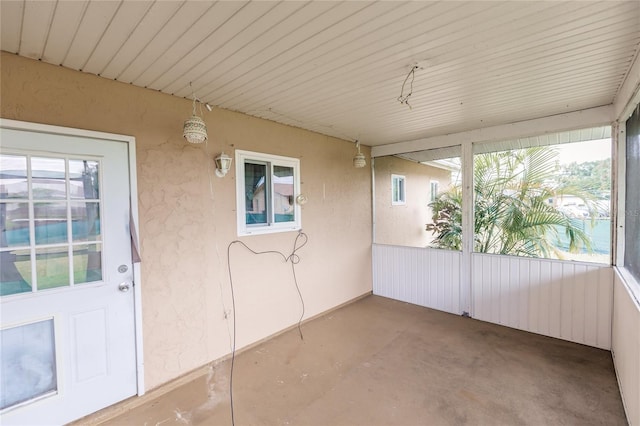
(359, 161)
(194, 130)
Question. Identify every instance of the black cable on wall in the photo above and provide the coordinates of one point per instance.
(300, 241)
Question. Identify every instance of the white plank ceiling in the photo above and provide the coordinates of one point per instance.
(338, 67)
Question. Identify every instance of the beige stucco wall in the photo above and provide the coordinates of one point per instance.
(185, 228)
(404, 225)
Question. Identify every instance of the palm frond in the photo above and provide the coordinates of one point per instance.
(513, 214)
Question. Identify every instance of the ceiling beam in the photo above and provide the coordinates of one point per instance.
(556, 123)
(629, 94)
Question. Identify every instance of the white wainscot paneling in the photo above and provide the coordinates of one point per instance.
(422, 276)
(566, 300)
(626, 346)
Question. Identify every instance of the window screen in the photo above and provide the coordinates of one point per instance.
(545, 196)
(632, 197)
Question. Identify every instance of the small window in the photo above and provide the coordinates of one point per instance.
(434, 190)
(398, 190)
(266, 188)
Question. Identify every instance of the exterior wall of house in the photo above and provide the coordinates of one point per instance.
(404, 225)
(187, 215)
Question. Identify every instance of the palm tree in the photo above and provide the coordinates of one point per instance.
(513, 208)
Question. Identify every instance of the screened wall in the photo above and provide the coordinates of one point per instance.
(520, 236)
(632, 196)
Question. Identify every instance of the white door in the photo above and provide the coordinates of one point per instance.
(66, 296)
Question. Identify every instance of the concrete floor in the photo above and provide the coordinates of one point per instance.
(383, 362)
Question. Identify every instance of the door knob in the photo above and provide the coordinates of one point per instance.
(124, 287)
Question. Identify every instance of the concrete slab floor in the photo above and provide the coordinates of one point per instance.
(382, 362)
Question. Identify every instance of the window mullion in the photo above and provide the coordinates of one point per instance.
(269, 195)
(32, 227)
(468, 220)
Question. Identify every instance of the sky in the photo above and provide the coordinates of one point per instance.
(584, 151)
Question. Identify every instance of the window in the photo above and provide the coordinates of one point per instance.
(434, 190)
(632, 196)
(398, 191)
(266, 187)
(28, 363)
(50, 222)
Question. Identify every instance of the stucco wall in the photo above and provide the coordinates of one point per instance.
(404, 225)
(185, 227)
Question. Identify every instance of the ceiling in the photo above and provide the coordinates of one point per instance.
(338, 67)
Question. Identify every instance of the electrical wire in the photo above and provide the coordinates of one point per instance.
(294, 259)
(199, 101)
(404, 99)
(210, 174)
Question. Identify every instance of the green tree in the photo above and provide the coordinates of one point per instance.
(591, 176)
(513, 207)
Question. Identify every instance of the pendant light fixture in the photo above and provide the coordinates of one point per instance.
(194, 129)
(359, 160)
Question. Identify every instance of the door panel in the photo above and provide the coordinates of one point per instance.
(65, 249)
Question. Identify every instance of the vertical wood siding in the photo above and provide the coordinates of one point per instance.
(422, 276)
(626, 348)
(566, 300)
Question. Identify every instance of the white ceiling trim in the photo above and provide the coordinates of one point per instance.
(593, 117)
(629, 94)
(569, 136)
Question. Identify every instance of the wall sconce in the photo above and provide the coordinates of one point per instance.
(223, 164)
(359, 160)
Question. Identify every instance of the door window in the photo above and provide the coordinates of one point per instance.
(28, 363)
(50, 222)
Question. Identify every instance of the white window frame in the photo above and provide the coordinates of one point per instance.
(434, 194)
(402, 190)
(270, 160)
